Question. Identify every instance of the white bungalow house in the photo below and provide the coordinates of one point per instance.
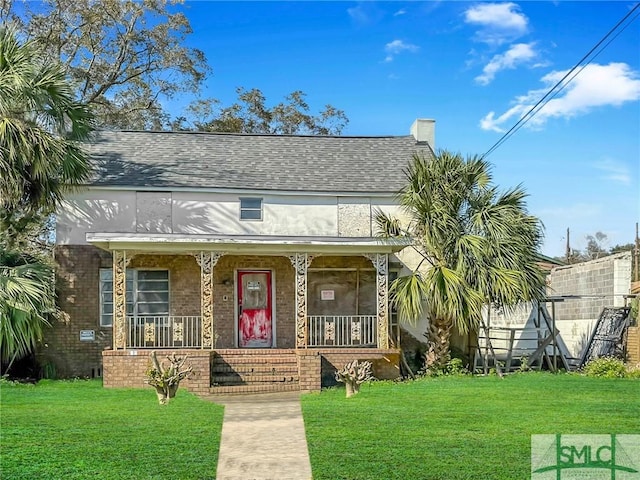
(256, 255)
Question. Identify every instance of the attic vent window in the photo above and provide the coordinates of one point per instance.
(250, 209)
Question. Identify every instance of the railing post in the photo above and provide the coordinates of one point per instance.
(207, 260)
(119, 271)
(301, 262)
(381, 262)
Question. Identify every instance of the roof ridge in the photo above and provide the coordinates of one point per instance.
(240, 134)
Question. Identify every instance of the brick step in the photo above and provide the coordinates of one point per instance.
(235, 360)
(251, 379)
(247, 368)
(254, 351)
(256, 388)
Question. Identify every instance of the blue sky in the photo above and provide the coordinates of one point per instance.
(474, 68)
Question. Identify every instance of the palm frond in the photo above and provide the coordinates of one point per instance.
(41, 127)
(27, 303)
(387, 226)
(481, 241)
(407, 294)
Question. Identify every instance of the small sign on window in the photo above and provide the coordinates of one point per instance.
(87, 335)
(327, 295)
(253, 285)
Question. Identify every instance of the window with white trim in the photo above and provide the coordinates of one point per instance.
(147, 294)
(250, 208)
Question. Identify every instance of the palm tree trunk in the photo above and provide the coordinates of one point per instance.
(438, 338)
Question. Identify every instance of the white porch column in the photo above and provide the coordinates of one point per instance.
(381, 262)
(119, 270)
(301, 262)
(207, 260)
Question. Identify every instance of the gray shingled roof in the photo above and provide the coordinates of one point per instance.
(241, 161)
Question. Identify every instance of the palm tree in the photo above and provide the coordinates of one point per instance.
(41, 159)
(41, 130)
(477, 246)
(27, 303)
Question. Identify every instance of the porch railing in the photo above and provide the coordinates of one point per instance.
(342, 330)
(167, 331)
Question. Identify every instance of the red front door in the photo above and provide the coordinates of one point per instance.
(254, 309)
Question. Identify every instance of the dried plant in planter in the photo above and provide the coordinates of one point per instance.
(354, 374)
(166, 379)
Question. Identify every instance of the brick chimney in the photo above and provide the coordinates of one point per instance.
(424, 131)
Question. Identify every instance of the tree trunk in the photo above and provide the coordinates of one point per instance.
(439, 337)
(349, 387)
(352, 387)
(172, 389)
(162, 395)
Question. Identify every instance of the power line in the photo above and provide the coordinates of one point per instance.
(561, 84)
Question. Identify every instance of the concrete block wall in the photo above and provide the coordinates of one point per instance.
(606, 280)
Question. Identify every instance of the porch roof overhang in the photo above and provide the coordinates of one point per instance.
(243, 244)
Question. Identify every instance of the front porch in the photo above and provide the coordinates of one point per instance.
(265, 304)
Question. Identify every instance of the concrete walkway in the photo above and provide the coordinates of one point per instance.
(263, 438)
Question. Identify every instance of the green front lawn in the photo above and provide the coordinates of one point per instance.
(459, 427)
(444, 428)
(79, 430)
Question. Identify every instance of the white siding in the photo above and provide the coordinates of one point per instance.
(153, 212)
(104, 211)
(195, 213)
(182, 212)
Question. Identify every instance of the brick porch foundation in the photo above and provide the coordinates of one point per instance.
(316, 367)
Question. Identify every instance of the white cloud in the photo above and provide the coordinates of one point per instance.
(502, 15)
(402, 11)
(365, 13)
(595, 86)
(518, 54)
(614, 171)
(398, 46)
(358, 14)
(499, 22)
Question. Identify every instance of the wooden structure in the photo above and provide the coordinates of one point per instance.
(513, 348)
